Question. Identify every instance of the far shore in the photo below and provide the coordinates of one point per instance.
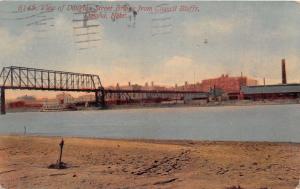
(178, 105)
(141, 164)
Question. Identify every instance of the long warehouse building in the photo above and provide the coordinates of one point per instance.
(280, 91)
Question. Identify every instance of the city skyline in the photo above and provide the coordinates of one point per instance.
(220, 38)
(202, 86)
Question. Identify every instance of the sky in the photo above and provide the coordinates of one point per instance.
(172, 47)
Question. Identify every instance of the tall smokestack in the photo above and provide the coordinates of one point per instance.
(283, 71)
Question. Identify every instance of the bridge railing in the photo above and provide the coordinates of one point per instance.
(14, 77)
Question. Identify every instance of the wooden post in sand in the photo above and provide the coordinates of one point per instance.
(61, 144)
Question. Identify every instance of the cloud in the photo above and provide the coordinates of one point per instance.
(178, 69)
(122, 71)
(178, 61)
(175, 69)
(37, 46)
(13, 44)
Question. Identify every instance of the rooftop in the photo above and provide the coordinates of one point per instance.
(267, 89)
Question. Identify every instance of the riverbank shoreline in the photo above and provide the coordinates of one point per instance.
(138, 163)
(214, 104)
(151, 140)
(180, 105)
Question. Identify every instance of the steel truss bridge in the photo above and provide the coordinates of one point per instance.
(24, 78)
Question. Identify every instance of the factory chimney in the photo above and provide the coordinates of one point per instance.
(283, 71)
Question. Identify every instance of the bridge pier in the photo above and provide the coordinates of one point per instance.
(2, 100)
(100, 98)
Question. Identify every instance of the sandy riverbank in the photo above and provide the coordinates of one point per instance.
(98, 163)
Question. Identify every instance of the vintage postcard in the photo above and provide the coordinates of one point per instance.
(150, 94)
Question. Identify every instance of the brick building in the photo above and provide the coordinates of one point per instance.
(227, 84)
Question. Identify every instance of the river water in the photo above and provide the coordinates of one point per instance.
(243, 123)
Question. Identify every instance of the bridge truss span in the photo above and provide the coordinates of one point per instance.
(24, 78)
(14, 77)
